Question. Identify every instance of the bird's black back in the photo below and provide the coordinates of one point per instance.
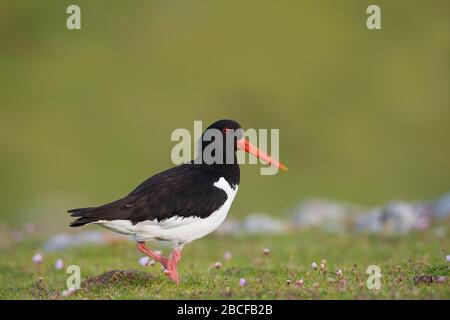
(185, 190)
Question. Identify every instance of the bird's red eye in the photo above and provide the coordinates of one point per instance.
(225, 130)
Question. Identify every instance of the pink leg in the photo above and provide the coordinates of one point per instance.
(175, 257)
(141, 246)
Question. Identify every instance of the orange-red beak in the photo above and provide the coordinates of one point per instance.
(245, 145)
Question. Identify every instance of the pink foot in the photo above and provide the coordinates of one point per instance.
(172, 265)
(164, 261)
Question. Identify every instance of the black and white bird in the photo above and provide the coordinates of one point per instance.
(181, 204)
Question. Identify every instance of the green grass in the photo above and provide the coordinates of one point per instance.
(400, 259)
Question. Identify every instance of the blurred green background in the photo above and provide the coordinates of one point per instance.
(87, 115)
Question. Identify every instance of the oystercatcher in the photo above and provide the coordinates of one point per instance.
(181, 204)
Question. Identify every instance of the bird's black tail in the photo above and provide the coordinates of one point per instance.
(84, 216)
(110, 211)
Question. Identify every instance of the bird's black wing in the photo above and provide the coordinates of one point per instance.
(186, 190)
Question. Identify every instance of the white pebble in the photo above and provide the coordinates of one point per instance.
(441, 279)
(314, 265)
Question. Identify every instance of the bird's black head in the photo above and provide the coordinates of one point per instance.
(226, 127)
(219, 142)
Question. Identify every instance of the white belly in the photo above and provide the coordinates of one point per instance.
(178, 230)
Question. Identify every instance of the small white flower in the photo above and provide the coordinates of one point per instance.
(59, 264)
(339, 273)
(242, 282)
(217, 265)
(227, 255)
(288, 282)
(314, 265)
(68, 292)
(266, 251)
(322, 266)
(37, 258)
(447, 258)
(299, 283)
(144, 261)
(151, 263)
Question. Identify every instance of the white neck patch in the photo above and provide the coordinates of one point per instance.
(225, 186)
